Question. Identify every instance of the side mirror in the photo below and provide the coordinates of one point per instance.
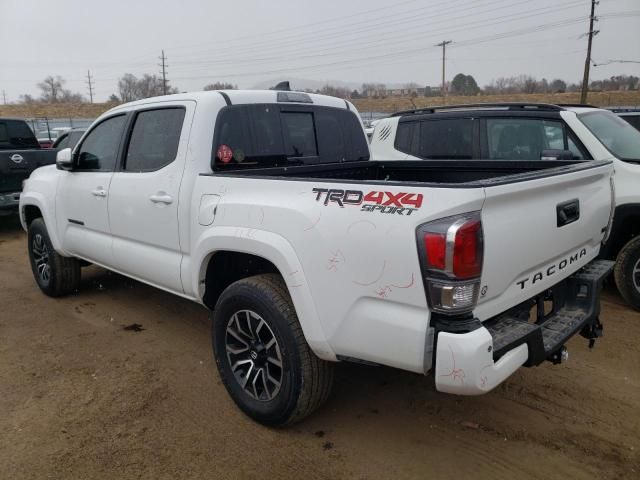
(64, 160)
(556, 155)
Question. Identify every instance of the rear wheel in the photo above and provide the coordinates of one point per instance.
(55, 275)
(627, 272)
(262, 356)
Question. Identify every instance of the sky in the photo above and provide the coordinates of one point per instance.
(253, 43)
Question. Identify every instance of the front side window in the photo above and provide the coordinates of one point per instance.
(99, 150)
(446, 139)
(620, 138)
(527, 138)
(154, 139)
(63, 142)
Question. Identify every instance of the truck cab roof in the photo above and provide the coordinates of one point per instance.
(237, 97)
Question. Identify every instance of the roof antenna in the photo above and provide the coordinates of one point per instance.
(282, 86)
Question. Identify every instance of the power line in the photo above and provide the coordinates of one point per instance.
(90, 84)
(609, 62)
(587, 62)
(398, 36)
(164, 73)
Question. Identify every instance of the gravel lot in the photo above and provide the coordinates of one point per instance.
(82, 396)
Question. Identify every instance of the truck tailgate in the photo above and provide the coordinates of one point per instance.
(539, 231)
(17, 165)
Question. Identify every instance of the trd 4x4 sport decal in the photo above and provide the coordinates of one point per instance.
(384, 202)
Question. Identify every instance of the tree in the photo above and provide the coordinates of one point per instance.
(355, 94)
(151, 86)
(51, 88)
(28, 99)
(464, 85)
(528, 84)
(66, 96)
(558, 86)
(128, 88)
(220, 86)
(113, 98)
(132, 88)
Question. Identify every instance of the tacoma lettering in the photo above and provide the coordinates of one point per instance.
(552, 269)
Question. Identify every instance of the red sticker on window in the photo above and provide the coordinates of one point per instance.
(224, 154)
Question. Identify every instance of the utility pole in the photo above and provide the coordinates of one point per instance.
(90, 83)
(4, 97)
(164, 73)
(444, 44)
(587, 62)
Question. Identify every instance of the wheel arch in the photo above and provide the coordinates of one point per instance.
(229, 254)
(33, 205)
(626, 226)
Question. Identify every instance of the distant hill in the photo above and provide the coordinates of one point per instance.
(389, 104)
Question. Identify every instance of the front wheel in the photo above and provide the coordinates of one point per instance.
(55, 275)
(263, 359)
(627, 272)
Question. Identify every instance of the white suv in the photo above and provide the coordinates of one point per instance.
(532, 133)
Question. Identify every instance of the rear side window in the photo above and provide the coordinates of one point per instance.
(267, 135)
(16, 134)
(408, 138)
(446, 139)
(154, 139)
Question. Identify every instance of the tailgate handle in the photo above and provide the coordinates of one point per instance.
(568, 212)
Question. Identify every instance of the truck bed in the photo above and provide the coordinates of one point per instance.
(438, 173)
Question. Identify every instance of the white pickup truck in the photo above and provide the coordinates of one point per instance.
(265, 207)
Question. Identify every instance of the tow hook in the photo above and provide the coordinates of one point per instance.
(560, 356)
(592, 331)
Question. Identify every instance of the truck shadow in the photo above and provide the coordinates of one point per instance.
(10, 224)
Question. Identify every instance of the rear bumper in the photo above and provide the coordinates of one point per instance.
(476, 361)
(9, 201)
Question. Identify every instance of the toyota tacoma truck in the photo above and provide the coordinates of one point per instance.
(265, 207)
(20, 154)
(532, 132)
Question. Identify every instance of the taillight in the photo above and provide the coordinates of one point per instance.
(451, 251)
(467, 250)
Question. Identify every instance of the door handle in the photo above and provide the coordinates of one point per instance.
(99, 192)
(161, 198)
(567, 212)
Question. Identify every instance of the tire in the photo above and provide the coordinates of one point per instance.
(249, 315)
(55, 275)
(627, 272)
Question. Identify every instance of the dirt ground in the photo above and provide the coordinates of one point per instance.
(82, 397)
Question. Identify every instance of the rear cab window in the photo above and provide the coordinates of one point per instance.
(16, 134)
(270, 135)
